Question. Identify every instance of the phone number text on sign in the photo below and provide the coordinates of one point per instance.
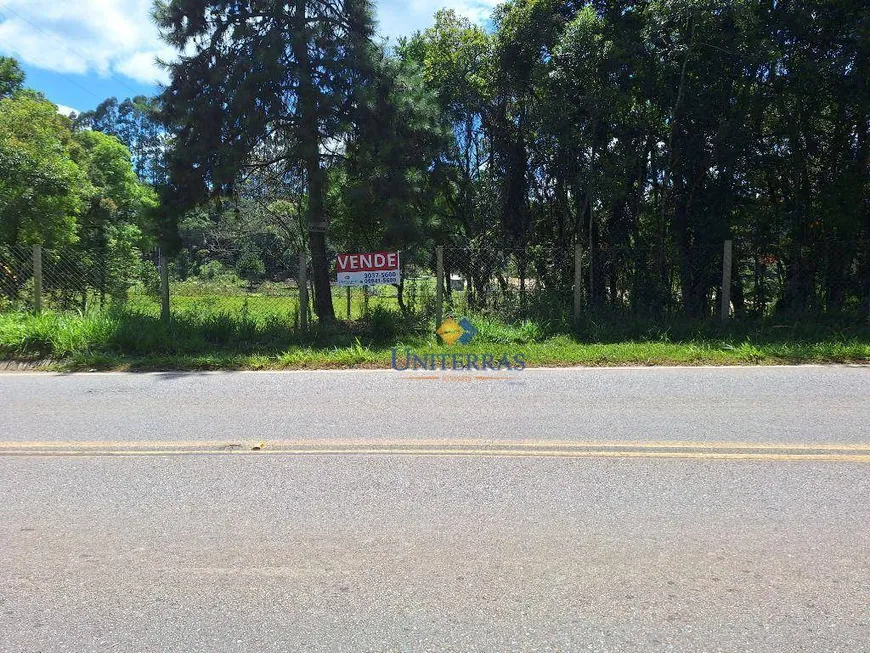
(375, 269)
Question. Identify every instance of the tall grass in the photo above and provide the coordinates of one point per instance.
(244, 333)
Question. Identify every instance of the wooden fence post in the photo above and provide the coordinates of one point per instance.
(726, 281)
(37, 278)
(303, 291)
(163, 266)
(578, 281)
(439, 285)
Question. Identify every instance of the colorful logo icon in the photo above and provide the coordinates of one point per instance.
(452, 332)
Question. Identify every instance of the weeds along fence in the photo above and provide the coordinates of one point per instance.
(507, 284)
(741, 278)
(33, 278)
(66, 279)
(259, 285)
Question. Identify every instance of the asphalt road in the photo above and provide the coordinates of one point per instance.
(464, 516)
(814, 404)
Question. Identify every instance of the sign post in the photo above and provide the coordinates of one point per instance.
(303, 291)
(726, 281)
(439, 284)
(37, 278)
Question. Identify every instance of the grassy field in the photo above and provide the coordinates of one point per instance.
(259, 331)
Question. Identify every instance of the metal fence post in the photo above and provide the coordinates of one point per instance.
(726, 281)
(37, 278)
(163, 265)
(439, 284)
(303, 291)
(578, 281)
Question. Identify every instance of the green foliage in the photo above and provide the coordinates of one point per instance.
(250, 267)
(388, 183)
(11, 77)
(267, 99)
(645, 132)
(42, 189)
(455, 58)
(117, 206)
(75, 193)
(137, 339)
(213, 270)
(136, 123)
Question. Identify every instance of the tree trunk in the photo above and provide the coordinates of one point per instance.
(320, 276)
(309, 148)
(400, 298)
(400, 291)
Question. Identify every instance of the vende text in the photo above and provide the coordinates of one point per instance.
(376, 262)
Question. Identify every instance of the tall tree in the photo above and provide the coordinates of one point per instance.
(11, 77)
(136, 123)
(263, 83)
(41, 187)
(394, 169)
(116, 208)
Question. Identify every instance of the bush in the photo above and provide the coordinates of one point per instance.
(149, 278)
(213, 271)
(250, 267)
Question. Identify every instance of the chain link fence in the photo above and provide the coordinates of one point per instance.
(16, 277)
(508, 284)
(825, 277)
(65, 279)
(264, 283)
(556, 285)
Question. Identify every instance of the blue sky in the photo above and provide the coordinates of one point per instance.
(79, 52)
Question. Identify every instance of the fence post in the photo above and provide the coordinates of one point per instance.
(163, 265)
(726, 281)
(439, 284)
(303, 291)
(578, 281)
(37, 278)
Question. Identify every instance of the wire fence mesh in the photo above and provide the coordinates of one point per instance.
(509, 284)
(830, 276)
(16, 277)
(264, 283)
(70, 279)
(824, 277)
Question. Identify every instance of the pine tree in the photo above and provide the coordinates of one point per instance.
(263, 83)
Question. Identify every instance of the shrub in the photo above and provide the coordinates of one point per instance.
(250, 267)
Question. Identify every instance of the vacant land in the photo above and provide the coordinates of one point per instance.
(261, 331)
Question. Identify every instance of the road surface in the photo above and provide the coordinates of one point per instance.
(600, 510)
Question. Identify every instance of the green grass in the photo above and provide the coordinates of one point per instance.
(208, 333)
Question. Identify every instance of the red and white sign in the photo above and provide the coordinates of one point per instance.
(375, 269)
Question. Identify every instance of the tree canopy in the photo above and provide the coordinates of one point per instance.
(73, 191)
(645, 131)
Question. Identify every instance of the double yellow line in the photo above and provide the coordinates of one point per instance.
(856, 453)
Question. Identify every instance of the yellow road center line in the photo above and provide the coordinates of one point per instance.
(407, 443)
(465, 454)
(464, 448)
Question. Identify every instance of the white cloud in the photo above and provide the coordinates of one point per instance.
(403, 17)
(81, 36)
(66, 111)
(141, 66)
(118, 37)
